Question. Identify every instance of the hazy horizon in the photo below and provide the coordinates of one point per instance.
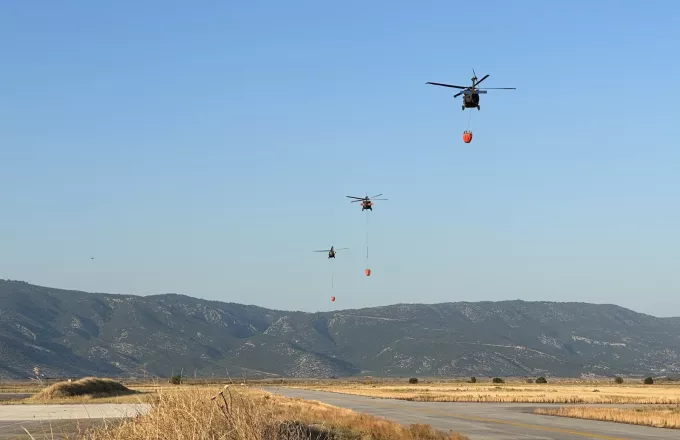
(209, 151)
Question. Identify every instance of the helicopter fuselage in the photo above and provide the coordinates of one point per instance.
(471, 100)
(367, 204)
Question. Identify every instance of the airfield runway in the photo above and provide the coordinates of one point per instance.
(43, 420)
(486, 421)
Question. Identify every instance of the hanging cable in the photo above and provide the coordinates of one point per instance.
(367, 239)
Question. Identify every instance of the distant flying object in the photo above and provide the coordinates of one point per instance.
(365, 201)
(471, 94)
(331, 251)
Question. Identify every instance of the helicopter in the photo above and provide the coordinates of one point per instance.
(471, 94)
(331, 251)
(365, 201)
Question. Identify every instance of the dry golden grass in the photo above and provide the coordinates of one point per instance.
(510, 392)
(660, 417)
(198, 413)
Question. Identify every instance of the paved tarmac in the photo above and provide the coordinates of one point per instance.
(44, 420)
(486, 421)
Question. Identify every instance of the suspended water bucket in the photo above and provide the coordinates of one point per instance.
(332, 298)
(467, 136)
(368, 272)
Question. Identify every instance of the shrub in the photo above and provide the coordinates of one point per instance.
(618, 380)
(91, 386)
(497, 380)
(473, 379)
(413, 380)
(530, 380)
(649, 381)
(541, 380)
(176, 379)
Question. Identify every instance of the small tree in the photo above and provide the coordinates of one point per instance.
(176, 379)
(498, 380)
(541, 380)
(649, 381)
(618, 380)
(413, 380)
(473, 379)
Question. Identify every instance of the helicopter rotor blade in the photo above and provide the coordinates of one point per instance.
(325, 250)
(354, 201)
(379, 199)
(375, 196)
(352, 197)
(483, 78)
(342, 249)
(500, 88)
(458, 94)
(446, 85)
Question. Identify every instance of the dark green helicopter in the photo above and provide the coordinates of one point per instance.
(471, 94)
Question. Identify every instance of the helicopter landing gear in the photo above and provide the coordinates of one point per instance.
(463, 107)
(477, 108)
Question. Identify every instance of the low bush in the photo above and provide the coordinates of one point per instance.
(89, 386)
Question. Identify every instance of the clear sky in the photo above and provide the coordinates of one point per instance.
(206, 148)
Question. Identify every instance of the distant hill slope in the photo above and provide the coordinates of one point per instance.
(77, 333)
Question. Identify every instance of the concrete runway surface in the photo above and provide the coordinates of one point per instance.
(486, 421)
(43, 420)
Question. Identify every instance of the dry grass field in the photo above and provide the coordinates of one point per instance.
(509, 392)
(660, 417)
(237, 412)
(248, 414)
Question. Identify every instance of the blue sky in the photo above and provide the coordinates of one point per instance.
(208, 150)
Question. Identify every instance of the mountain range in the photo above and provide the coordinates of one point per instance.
(73, 333)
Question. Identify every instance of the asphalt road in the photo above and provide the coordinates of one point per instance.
(486, 421)
(42, 421)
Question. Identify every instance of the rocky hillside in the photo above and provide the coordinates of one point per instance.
(78, 333)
